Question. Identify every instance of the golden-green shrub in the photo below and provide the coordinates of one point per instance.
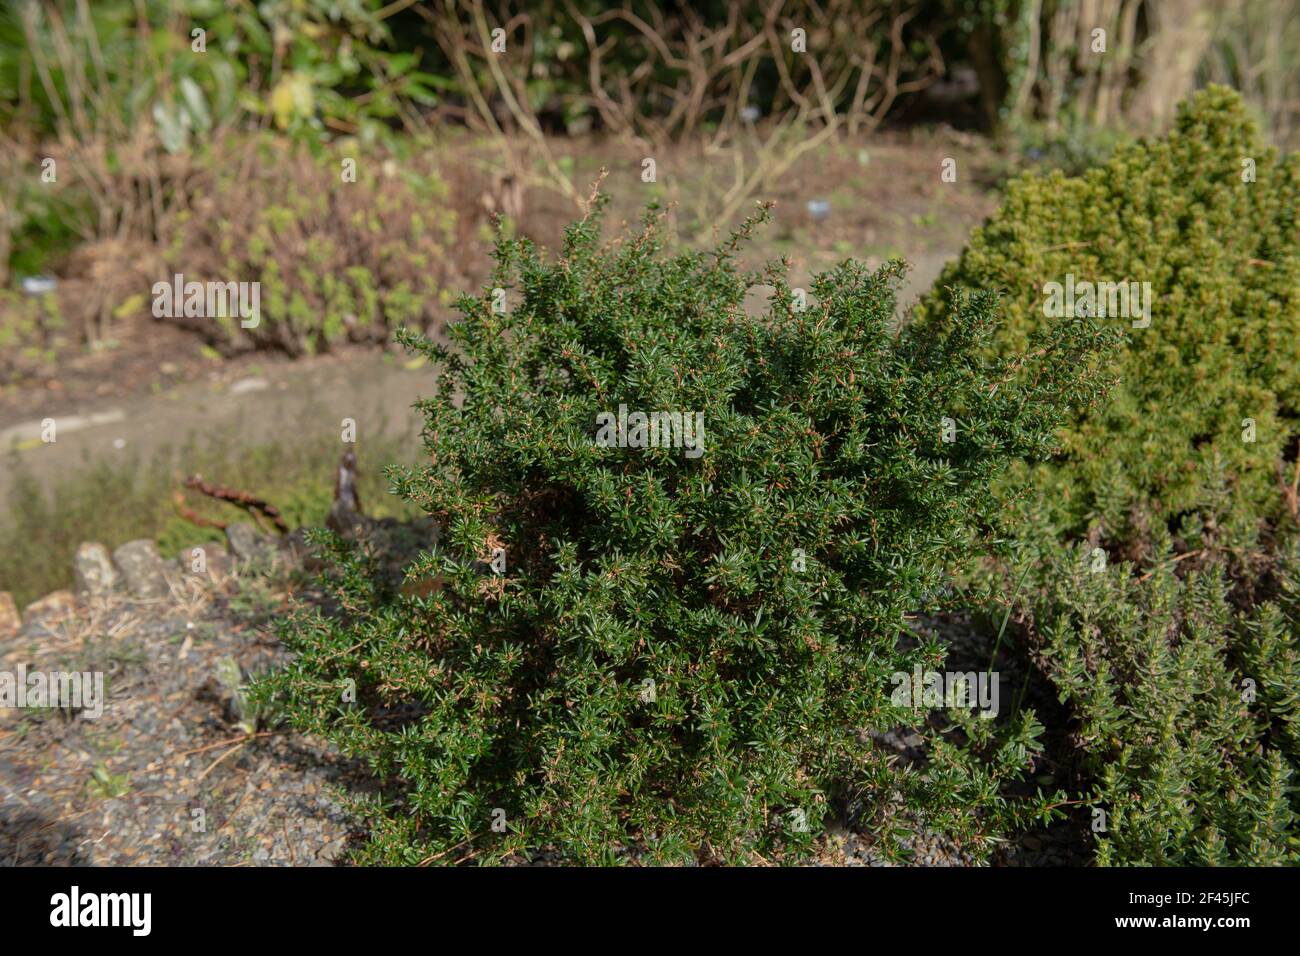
(1221, 357)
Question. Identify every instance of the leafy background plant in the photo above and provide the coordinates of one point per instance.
(337, 260)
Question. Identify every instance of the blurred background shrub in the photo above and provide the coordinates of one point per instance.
(339, 260)
(130, 98)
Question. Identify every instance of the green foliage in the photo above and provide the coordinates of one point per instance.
(308, 65)
(526, 690)
(1270, 654)
(1150, 654)
(30, 329)
(107, 785)
(41, 221)
(108, 68)
(1186, 709)
(341, 67)
(1223, 260)
(338, 260)
(1073, 149)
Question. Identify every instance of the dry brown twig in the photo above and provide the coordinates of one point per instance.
(241, 498)
(1172, 561)
(468, 42)
(192, 516)
(1291, 493)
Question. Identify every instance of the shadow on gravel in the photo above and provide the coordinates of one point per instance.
(972, 645)
(29, 839)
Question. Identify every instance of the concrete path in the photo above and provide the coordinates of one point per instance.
(282, 401)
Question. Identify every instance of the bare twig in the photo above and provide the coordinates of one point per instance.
(193, 517)
(212, 766)
(241, 498)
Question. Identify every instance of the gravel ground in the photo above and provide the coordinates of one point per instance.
(164, 776)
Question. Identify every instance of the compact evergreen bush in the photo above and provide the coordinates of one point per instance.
(1173, 447)
(676, 649)
(1186, 709)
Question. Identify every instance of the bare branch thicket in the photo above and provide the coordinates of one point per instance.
(496, 87)
(688, 81)
(856, 66)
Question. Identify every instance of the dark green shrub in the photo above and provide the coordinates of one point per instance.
(1223, 260)
(1186, 708)
(763, 585)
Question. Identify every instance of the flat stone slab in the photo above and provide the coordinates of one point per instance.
(93, 569)
(142, 569)
(248, 545)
